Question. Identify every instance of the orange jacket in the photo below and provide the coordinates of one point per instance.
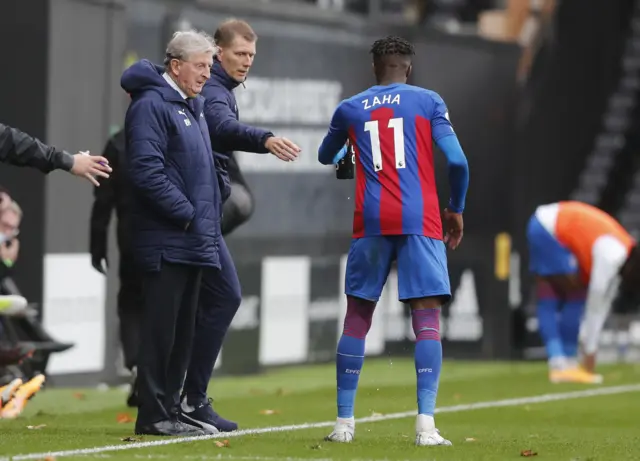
(579, 225)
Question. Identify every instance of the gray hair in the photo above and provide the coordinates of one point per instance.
(186, 43)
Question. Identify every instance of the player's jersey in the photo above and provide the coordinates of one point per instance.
(392, 129)
(579, 225)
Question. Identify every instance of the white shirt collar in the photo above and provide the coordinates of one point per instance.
(174, 85)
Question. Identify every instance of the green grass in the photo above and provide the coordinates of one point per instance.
(594, 428)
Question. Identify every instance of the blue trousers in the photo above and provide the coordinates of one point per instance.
(220, 297)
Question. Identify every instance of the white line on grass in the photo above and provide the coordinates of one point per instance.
(219, 458)
(297, 427)
(242, 458)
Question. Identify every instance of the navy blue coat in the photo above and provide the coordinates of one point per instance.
(176, 204)
(227, 134)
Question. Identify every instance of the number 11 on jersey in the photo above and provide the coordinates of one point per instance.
(397, 124)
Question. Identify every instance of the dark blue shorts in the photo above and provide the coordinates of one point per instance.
(422, 267)
(547, 256)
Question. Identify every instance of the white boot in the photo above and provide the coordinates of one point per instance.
(427, 434)
(343, 431)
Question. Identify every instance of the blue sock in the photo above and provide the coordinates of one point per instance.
(349, 361)
(548, 326)
(428, 357)
(570, 317)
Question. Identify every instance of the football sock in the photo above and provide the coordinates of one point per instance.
(570, 318)
(350, 354)
(548, 327)
(428, 357)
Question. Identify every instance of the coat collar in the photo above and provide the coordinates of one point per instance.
(221, 76)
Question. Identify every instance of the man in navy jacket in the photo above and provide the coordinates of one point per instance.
(175, 218)
(220, 295)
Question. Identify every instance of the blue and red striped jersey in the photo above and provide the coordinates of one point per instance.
(392, 129)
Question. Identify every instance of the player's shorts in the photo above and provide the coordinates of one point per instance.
(422, 267)
(547, 256)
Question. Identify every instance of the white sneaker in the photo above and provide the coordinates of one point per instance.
(426, 433)
(343, 431)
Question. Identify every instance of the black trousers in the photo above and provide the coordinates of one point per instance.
(219, 300)
(170, 299)
(130, 309)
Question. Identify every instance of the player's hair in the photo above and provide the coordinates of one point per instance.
(230, 29)
(392, 46)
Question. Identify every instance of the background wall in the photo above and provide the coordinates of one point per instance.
(306, 64)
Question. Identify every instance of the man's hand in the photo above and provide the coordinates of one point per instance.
(89, 166)
(100, 263)
(453, 225)
(9, 250)
(282, 148)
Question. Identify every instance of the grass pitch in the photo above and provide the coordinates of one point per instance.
(590, 428)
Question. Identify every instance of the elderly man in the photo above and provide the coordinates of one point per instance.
(175, 217)
(20, 149)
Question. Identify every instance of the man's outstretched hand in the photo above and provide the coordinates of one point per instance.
(90, 166)
(453, 226)
(282, 148)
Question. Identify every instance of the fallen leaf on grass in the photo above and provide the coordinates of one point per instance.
(79, 396)
(39, 426)
(269, 412)
(131, 439)
(528, 453)
(222, 444)
(469, 439)
(124, 418)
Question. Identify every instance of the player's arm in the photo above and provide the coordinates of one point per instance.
(604, 283)
(333, 147)
(446, 139)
